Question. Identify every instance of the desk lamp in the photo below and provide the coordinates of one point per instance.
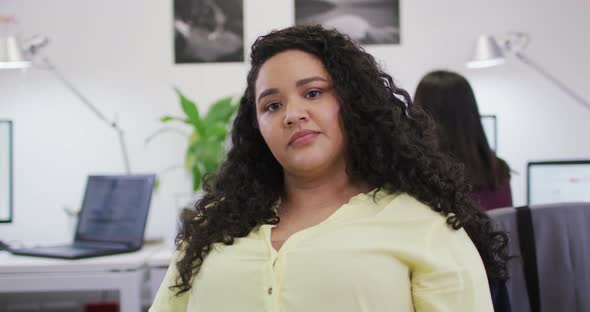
(488, 52)
(14, 55)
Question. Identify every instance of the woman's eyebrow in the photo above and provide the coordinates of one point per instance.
(267, 92)
(299, 83)
(308, 80)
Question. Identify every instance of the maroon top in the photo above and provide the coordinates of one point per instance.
(498, 198)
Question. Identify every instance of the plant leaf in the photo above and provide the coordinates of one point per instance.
(157, 184)
(192, 112)
(197, 176)
(191, 157)
(195, 136)
(217, 130)
(221, 111)
(172, 118)
(211, 155)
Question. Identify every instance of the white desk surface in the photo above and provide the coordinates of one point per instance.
(162, 257)
(128, 261)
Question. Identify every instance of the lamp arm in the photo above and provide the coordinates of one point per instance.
(112, 124)
(123, 148)
(525, 59)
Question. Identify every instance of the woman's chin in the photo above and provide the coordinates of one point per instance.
(307, 166)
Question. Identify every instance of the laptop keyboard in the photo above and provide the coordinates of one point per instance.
(68, 251)
(63, 251)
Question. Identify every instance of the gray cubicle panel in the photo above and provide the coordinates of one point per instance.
(6, 174)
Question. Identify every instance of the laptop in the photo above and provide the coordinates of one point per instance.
(559, 181)
(111, 221)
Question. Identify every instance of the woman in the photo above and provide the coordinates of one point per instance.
(331, 197)
(449, 99)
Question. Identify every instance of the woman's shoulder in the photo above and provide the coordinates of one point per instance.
(503, 169)
(404, 206)
(425, 227)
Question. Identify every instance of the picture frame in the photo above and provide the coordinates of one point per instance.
(367, 22)
(208, 31)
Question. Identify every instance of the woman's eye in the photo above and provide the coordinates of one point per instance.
(313, 94)
(273, 106)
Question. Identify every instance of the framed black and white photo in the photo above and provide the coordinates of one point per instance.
(365, 21)
(208, 31)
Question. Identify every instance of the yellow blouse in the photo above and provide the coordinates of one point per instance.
(392, 254)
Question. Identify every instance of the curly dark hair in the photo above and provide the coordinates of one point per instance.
(391, 145)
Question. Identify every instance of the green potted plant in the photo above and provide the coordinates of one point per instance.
(205, 149)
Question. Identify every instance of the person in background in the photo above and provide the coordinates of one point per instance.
(332, 197)
(449, 99)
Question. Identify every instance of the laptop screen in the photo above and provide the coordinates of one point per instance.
(558, 182)
(115, 209)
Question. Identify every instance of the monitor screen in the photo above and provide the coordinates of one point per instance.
(5, 171)
(489, 127)
(558, 182)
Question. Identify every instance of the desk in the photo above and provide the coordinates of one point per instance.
(124, 272)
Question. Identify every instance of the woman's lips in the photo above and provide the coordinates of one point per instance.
(303, 137)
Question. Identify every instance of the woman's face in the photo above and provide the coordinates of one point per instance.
(299, 115)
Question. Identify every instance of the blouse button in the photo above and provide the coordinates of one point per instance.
(270, 291)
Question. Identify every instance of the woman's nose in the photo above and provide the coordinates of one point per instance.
(295, 113)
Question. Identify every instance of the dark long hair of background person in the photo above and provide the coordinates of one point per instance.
(450, 100)
(390, 144)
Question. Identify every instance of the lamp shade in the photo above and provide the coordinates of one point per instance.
(11, 55)
(486, 53)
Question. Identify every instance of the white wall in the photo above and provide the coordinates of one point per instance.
(120, 55)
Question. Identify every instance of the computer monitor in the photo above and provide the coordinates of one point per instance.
(489, 127)
(5, 171)
(558, 181)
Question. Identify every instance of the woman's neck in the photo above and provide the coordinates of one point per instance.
(311, 195)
